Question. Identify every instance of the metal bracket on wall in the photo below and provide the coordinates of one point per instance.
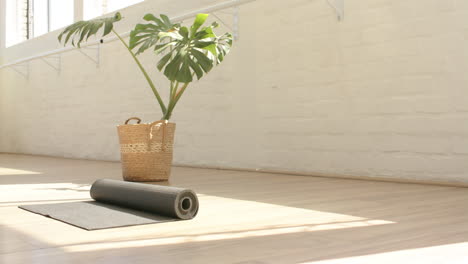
(338, 5)
(22, 69)
(54, 61)
(235, 21)
(96, 49)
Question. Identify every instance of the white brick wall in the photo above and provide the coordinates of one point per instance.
(381, 94)
(2, 28)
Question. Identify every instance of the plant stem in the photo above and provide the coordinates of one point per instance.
(150, 82)
(174, 100)
(171, 91)
(179, 94)
(171, 94)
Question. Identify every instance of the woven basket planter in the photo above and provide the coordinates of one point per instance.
(146, 150)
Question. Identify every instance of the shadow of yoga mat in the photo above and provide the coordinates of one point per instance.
(118, 204)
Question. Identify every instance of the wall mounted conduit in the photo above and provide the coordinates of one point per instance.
(96, 58)
(338, 5)
(22, 69)
(54, 61)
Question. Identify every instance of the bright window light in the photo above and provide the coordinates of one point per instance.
(32, 18)
(40, 17)
(95, 8)
(92, 9)
(16, 22)
(113, 5)
(61, 13)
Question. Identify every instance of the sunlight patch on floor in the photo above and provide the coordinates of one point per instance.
(219, 219)
(222, 236)
(9, 171)
(15, 194)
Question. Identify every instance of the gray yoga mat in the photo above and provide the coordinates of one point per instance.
(119, 203)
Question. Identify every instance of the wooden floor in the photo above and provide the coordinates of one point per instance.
(244, 218)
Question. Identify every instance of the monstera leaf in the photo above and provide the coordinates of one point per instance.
(147, 35)
(185, 52)
(82, 30)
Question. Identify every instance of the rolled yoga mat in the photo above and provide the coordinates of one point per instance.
(162, 200)
(119, 203)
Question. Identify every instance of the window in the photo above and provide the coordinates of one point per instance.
(27, 19)
(31, 18)
(95, 8)
(49, 15)
(61, 13)
(40, 18)
(16, 30)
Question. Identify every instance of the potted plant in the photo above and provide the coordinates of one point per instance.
(183, 53)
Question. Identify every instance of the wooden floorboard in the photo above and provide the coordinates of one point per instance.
(245, 217)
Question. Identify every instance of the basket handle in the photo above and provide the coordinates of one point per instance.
(133, 118)
(158, 124)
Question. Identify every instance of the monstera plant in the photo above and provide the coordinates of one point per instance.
(183, 54)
